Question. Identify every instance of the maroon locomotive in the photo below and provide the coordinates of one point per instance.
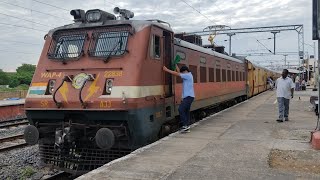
(99, 90)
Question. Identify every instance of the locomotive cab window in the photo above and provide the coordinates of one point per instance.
(106, 44)
(67, 46)
(155, 49)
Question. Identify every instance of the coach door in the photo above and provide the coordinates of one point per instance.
(168, 85)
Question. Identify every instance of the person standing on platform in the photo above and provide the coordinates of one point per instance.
(270, 81)
(297, 81)
(187, 94)
(285, 89)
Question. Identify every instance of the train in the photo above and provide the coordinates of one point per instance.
(99, 91)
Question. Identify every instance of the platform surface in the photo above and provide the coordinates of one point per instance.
(11, 102)
(242, 142)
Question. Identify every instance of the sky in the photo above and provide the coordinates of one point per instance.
(24, 23)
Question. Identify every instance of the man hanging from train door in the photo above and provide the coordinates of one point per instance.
(285, 88)
(187, 94)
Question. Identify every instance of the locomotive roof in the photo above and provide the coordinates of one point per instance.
(137, 25)
(182, 43)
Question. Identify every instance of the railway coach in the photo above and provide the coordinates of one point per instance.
(99, 90)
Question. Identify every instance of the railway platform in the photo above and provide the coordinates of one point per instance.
(11, 109)
(242, 142)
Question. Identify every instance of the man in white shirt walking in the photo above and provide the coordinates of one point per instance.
(285, 88)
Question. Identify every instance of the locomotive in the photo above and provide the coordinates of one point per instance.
(99, 91)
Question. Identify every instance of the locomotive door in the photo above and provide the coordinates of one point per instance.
(168, 80)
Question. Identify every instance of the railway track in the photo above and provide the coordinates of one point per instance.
(10, 142)
(13, 123)
(60, 175)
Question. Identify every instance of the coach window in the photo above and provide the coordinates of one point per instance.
(224, 78)
(229, 75)
(203, 74)
(203, 70)
(218, 74)
(194, 72)
(233, 76)
(237, 75)
(155, 49)
(211, 74)
(244, 76)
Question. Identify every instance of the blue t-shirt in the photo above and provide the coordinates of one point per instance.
(187, 85)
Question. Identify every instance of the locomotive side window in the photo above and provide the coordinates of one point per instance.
(113, 43)
(155, 47)
(67, 46)
(179, 80)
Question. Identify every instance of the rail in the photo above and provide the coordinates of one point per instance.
(11, 138)
(13, 122)
(14, 146)
(60, 175)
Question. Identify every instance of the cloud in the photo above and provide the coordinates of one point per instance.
(182, 17)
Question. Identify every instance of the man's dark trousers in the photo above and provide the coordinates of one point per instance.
(184, 110)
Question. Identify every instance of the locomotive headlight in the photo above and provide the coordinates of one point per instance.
(109, 84)
(51, 85)
(93, 15)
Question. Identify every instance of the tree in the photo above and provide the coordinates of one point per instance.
(26, 68)
(4, 79)
(14, 81)
(25, 73)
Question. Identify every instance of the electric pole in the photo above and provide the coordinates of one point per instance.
(230, 34)
(274, 40)
(285, 59)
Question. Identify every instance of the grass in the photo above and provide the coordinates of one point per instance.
(27, 172)
(18, 88)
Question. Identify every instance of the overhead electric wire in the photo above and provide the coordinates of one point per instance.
(21, 42)
(24, 19)
(197, 11)
(6, 44)
(264, 46)
(33, 10)
(112, 3)
(4, 50)
(25, 27)
(51, 5)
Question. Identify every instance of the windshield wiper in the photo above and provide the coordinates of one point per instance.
(113, 50)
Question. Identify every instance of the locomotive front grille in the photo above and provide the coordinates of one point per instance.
(80, 160)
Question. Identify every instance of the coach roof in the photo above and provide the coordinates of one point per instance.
(185, 44)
